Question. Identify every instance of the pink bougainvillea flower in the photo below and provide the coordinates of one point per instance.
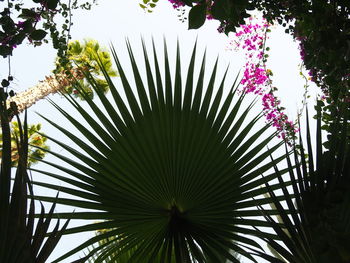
(177, 3)
(251, 37)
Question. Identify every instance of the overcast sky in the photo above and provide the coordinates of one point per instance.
(113, 21)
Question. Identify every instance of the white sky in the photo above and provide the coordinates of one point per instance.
(112, 21)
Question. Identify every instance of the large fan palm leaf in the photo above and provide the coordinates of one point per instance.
(170, 169)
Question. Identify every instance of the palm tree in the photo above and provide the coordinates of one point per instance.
(19, 242)
(81, 59)
(318, 228)
(171, 172)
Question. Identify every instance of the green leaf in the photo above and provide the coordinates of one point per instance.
(52, 4)
(197, 16)
(188, 2)
(5, 51)
(221, 9)
(5, 83)
(27, 14)
(38, 34)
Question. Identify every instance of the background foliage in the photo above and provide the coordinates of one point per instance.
(35, 140)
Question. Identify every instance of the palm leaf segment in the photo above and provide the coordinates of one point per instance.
(22, 240)
(169, 171)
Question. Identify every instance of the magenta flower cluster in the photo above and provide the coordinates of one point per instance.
(251, 38)
(256, 78)
(177, 3)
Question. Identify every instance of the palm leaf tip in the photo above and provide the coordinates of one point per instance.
(163, 171)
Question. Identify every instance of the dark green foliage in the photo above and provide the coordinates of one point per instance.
(170, 172)
(19, 20)
(197, 16)
(20, 240)
(318, 229)
(38, 34)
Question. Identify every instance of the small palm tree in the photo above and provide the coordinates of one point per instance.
(171, 171)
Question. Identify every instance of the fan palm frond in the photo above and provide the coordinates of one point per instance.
(318, 229)
(171, 170)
